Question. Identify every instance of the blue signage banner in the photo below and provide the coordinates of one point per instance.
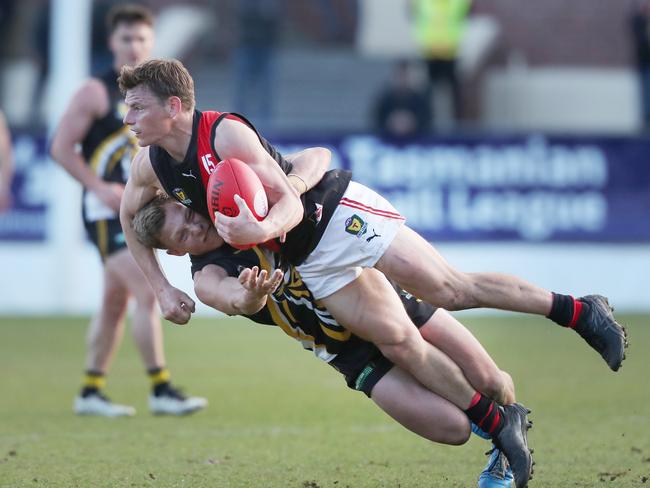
(520, 188)
(26, 220)
(455, 189)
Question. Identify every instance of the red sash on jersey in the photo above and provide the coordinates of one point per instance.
(207, 156)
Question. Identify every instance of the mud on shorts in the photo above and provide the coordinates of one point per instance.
(107, 236)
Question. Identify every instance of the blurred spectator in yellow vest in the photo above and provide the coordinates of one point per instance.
(438, 30)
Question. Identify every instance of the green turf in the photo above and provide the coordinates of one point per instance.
(280, 418)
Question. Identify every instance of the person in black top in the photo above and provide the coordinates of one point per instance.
(402, 110)
(93, 120)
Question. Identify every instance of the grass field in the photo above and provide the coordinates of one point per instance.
(280, 418)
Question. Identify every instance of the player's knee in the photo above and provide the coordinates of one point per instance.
(114, 301)
(402, 347)
(492, 384)
(457, 431)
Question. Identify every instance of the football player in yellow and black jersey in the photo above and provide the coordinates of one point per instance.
(93, 121)
(271, 292)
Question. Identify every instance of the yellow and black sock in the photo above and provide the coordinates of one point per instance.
(94, 381)
(159, 379)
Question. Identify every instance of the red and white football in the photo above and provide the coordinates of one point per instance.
(234, 177)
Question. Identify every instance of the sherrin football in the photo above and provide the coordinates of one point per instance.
(234, 177)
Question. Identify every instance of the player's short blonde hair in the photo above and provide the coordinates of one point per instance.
(149, 221)
(164, 77)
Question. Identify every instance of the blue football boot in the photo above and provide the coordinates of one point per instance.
(497, 472)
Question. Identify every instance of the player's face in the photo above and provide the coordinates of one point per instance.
(186, 231)
(131, 44)
(147, 116)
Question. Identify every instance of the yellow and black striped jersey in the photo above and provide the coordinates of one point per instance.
(293, 308)
(108, 148)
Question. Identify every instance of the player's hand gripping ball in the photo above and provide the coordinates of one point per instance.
(234, 177)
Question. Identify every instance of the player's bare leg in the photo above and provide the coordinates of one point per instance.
(452, 338)
(421, 411)
(146, 327)
(413, 263)
(448, 334)
(147, 332)
(104, 335)
(430, 416)
(370, 308)
(107, 327)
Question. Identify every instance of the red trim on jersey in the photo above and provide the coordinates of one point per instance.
(207, 159)
(577, 310)
(375, 211)
(206, 154)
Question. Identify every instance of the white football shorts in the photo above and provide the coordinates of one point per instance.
(362, 227)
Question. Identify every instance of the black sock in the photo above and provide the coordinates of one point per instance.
(161, 388)
(485, 413)
(566, 310)
(86, 391)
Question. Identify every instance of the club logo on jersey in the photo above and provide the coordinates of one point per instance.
(180, 194)
(208, 164)
(374, 234)
(356, 226)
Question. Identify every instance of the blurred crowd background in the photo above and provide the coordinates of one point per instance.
(512, 133)
(335, 64)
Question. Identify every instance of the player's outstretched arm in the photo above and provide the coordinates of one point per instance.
(235, 140)
(244, 295)
(140, 189)
(309, 166)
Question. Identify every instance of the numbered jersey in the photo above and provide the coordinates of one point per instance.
(186, 180)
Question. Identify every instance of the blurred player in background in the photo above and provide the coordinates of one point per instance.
(93, 121)
(6, 165)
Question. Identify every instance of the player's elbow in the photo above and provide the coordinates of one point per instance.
(247, 310)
